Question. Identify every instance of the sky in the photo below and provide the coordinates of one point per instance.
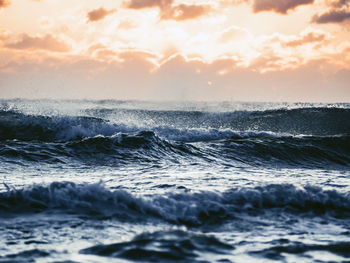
(232, 50)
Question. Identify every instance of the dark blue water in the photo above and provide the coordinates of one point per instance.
(127, 181)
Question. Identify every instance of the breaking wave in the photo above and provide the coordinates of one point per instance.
(184, 208)
(311, 137)
(175, 125)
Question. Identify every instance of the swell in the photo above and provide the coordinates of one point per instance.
(146, 147)
(276, 252)
(186, 126)
(120, 149)
(184, 208)
(164, 246)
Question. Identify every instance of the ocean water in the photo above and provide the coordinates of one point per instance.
(128, 181)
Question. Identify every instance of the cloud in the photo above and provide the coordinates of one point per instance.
(99, 14)
(289, 52)
(4, 3)
(233, 33)
(332, 16)
(307, 38)
(168, 11)
(176, 79)
(127, 24)
(339, 12)
(185, 12)
(133, 75)
(4, 34)
(139, 4)
(340, 3)
(278, 6)
(47, 42)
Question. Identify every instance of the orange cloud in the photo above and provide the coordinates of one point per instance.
(4, 3)
(280, 6)
(47, 42)
(99, 14)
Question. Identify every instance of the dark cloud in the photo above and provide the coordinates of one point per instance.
(333, 16)
(47, 42)
(278, 6)
(4, 3)
(99, 14)
(338, 12)
(168, 11)
(340, 3)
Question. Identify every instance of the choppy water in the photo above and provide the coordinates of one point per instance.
(126, 181)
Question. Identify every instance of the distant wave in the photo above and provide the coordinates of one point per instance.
(191, 209)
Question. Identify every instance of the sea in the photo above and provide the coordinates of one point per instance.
(165, 181)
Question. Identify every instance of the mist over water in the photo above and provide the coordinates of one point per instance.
(133, 181)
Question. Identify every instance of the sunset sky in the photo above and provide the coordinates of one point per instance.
(248, 50)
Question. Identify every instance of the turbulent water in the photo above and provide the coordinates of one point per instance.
(126, 181)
